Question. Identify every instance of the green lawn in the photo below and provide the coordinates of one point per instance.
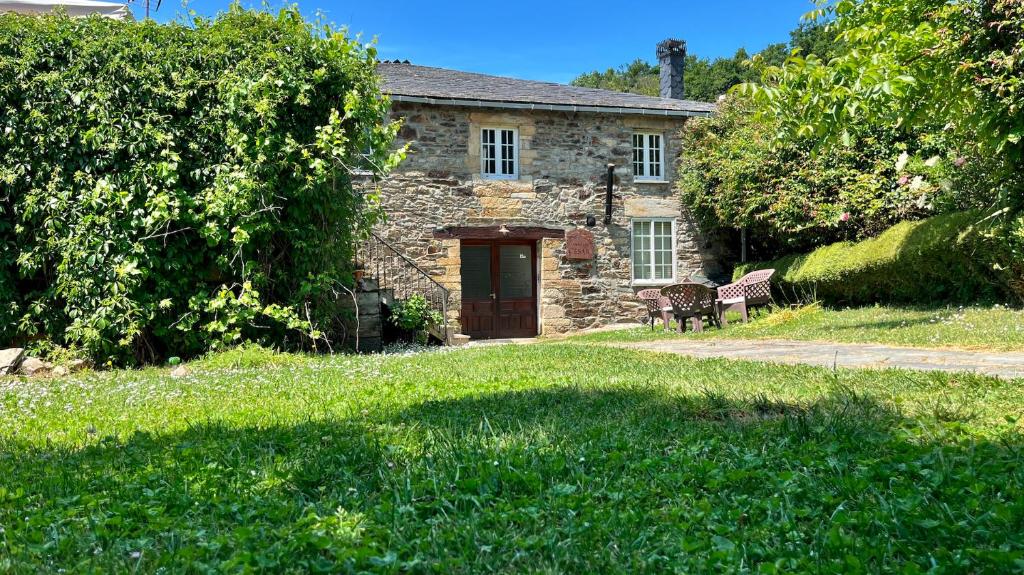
(548, 458)
(996, 328)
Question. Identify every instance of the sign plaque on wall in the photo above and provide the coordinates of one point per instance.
(579, 245)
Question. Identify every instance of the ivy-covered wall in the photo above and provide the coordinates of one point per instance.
(165, 189)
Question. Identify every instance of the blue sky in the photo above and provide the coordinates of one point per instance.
(544, 40)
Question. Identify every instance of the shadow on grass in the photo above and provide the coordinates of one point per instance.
(881, 325)
(556, 479)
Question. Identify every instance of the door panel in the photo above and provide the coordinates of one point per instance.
(517, 301)
(499, 293)
(478, 307)
(516, 265)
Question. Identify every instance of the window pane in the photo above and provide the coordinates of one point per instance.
(642, 250)
(663, 263)
(641, 269)
(487, 151)
(516, 272)
(508, 152)
(663, 229)
(638, 155)
(641, 229)
(655, 152)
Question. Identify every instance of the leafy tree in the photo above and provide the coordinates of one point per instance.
(637, 77)
(734, 174)
(950, 68)
(936, 64)
(706, 79)
(165, 189)
(813, 37)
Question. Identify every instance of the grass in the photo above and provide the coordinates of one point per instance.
(995, 328)
(548, 458)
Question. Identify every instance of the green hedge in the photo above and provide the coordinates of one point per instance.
(953, 258)
(165, 189)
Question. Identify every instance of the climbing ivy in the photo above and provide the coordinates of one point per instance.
(168, 189)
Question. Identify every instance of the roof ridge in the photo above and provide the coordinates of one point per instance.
(414, 80)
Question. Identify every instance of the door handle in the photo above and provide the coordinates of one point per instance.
(494, 296)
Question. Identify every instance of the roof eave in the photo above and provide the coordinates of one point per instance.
(549, 107)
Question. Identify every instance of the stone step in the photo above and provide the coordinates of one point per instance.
(453, 337)
(369, 284)
(10, 360)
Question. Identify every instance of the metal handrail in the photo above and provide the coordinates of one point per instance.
(394, 271)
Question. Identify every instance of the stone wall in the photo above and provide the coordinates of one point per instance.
(562, 179)
(369, 326)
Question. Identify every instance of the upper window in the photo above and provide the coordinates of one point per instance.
(499, 153)
(648, 158)
(654, 251)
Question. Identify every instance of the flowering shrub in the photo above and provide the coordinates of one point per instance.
(168, 189)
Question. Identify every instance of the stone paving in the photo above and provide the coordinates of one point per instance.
(1007, 365)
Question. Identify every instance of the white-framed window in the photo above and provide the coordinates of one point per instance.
(499, 153)
(654, 251)
(648, 157)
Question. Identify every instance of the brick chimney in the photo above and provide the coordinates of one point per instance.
(672, 58)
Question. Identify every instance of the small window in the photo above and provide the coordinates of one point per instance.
(648, 158)
(654, 251)
(499, 153)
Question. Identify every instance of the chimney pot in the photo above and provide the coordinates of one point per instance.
(672, 59)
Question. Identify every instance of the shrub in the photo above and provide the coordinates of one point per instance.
(413, 315)
(170, 189)
(249, 356)
(958, 257)
(734, 173)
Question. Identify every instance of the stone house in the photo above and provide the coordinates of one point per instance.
(504, 198)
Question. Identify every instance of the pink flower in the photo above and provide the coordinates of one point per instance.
(960, 162)
(845, 217)
(904, 180)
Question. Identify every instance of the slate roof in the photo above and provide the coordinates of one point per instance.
(408, 82)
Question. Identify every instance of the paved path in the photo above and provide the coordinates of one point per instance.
(1007, 365)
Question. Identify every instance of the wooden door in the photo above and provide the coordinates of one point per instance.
(479, 302)
(499, 289)
(517, 289)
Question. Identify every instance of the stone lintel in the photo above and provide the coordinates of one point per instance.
(496, 233)
(653, 208)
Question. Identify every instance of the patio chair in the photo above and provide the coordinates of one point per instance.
(694, 302)
(751, 292)
(658, 306)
